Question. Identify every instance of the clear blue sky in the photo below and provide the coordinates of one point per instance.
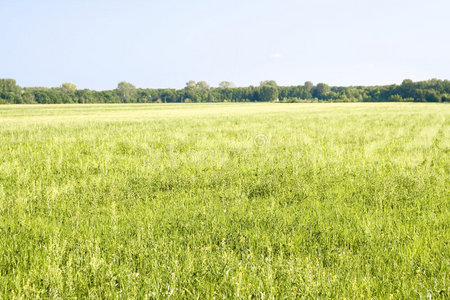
(164, 43)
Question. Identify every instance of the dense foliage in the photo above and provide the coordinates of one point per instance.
(433, 90)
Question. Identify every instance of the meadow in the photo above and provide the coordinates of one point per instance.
(225, 201)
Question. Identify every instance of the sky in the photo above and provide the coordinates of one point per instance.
(165, 43)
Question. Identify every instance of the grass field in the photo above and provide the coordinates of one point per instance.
(225, 201)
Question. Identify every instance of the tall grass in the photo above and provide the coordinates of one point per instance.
(225, 201)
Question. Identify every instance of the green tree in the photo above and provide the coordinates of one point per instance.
(191, 91)
(226, 84)
(268, 93)
(191, 84)
(268, 90)
(309, 86)
(8, 86)
(127, 92)
(407, 89)
(320, 91)
(432, 96)
(268, 83)
(202, 85)
(68, 87)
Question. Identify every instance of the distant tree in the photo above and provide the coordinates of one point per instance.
(432, 96)
(320, 90)
(191, 91)
(191, 84)
(127, 92)
(309, 86)
(432, 90)
(10, 91)
(197, 92)
(67, 87)
(268, 83)
(226, 84)
(8, 86)
(28, 97)
(407, 88)
(351, 93)
(202, 85)
(268, 93)
(42, 97)
(304, 92)
(168, 95)
(268, 90)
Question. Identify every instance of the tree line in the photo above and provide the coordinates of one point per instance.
(433, 90)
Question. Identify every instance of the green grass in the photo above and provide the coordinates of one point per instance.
(225, 201)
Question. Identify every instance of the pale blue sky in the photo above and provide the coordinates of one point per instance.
(164, 43)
